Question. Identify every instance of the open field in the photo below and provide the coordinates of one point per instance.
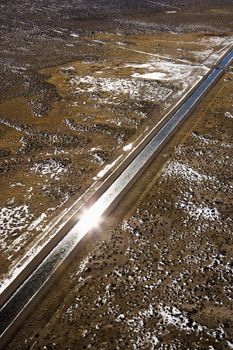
(80, 86)
(163, 277)
(62, 127)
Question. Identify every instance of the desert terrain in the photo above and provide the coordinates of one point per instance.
(81, 84)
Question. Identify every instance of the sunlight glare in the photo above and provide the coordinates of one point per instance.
(90, 219)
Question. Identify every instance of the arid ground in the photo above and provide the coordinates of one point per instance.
(81, 84)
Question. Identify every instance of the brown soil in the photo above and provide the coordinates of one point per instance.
(162, 278)
(169, 256)
(57, 132)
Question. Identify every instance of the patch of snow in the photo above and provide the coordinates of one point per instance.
(230, 344)
(200, 212)
(134, 88)
(138, 65)
(30, 254)
(207, 141)
(150, 76)
(128, 147)
(175, 168)
(220, 46)
(142, 336)
(69, 68)
(173, 316)
(58, 31)
(13, 220)
(213, 40)
(38, 223)
(97, 158)
(120, 43)
(50, 167)
(17, 184)
(168, 70)
(228, 115)
(74, 35)
(83, 265)
(202, 55)
(98, 41)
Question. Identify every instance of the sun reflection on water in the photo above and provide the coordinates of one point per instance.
(90, 219)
